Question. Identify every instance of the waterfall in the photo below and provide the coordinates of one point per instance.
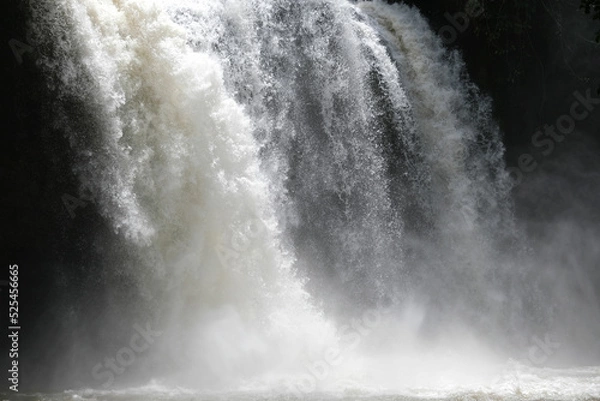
(279, 168)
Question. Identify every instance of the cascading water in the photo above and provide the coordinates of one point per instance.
(276, 168)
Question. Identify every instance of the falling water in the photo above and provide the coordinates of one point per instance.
(313, 194)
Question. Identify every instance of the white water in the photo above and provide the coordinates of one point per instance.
(251, 153)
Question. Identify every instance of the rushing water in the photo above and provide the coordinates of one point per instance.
(313, 199)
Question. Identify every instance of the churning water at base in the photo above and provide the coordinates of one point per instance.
(521, 384)
(313, 198)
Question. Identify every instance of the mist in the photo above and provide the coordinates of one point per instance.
(302, 199)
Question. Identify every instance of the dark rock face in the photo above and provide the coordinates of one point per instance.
(529, 58)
